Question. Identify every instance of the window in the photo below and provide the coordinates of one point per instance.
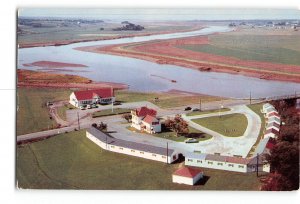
(155, 123)
(190, 160)
(112, 146)
(132, 150)
(230, 165)
(210, 162)
(154, 155)
(199, 161)
(163, 157)
(220, 164)
(241, 166)
(121, 148)
(141, 152)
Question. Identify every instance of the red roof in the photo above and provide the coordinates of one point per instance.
(272, 131)
(187, 172)
(271, 144)
(89, 94)
(275, 125)
(273, 114)
(149, 119)
(143, 111)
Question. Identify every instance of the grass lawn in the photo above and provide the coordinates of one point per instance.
(170, 135)
(109, 112)
(32, 115)
(207, 112)
(71, 161)
(166, 100)
(232, 125)
(271, 48)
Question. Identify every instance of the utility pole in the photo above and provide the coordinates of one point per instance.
(112, 101)
(167, 152)
(200, 104)
(250, 98)
(78, 121)
(257, 165)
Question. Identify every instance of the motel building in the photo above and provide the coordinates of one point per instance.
(274, 126)
(187, 175)
(144, 119)
(231, 163)
(88, 97)
(161, 154)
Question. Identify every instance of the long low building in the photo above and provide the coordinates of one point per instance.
(237, 164)
(109, 143)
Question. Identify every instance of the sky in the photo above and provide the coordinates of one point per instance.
(162, 14)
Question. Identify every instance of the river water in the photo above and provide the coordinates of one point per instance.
(142, 75)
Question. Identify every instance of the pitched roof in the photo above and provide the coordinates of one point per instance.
(187, 172)
(273, 114)
(149, 119)
(128, 144)
(89, 94)
(143, 111)
(271, 125)
(237, 160)
(272, 131)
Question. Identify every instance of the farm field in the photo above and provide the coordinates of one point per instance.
(72, 161)
(283, 49)
(32, 114)
(225, 124)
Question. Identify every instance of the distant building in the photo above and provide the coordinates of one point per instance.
(187, 175)
(162, 154)
(144, 119)
(88, 97)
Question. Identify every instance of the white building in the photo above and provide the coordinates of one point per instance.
(236, 164)
(162, 154)
(187, 175)
(144, 119)
(88, 97)
(274, 126)
(271, 133)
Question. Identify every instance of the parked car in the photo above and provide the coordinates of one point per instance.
(188, 108)
(117, 103)
(191, 140)
(94, 106)
(82, 108)
(89, 107)
(196, 109)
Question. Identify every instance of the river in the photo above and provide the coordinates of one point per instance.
(142, 75)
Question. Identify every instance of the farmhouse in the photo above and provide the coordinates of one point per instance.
(144, 119)
(271, 133)
(187, 175)
(88, 97)
(162, 154)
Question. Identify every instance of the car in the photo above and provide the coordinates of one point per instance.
(117, 103)
(191, 140)
(196, 109)
(82, 108)
(94, 106)
(89, 106)
(188, 108)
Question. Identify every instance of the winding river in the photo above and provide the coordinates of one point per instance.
(142, 75)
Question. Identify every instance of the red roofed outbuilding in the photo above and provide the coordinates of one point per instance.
(187, 175)
(96, 96)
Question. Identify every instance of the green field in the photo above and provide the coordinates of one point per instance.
(71, 161)
(232, 125)
(165, 100)
(283, 49)
(207, 112)
(109, 112)
(33, 115)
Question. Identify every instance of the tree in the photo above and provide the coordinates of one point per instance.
(127, 116)
(178, 125)
(102, 126)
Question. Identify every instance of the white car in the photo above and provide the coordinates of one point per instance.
(191, 140)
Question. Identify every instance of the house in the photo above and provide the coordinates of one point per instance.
(271, 133)
(161, 154)
(274, 119)
(88, 97)
(144, 119)
(187, 175)
(273, 114)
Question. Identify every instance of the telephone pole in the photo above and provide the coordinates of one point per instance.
(167, 152)
(250, 98)
(200, 104)
(78, 121)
